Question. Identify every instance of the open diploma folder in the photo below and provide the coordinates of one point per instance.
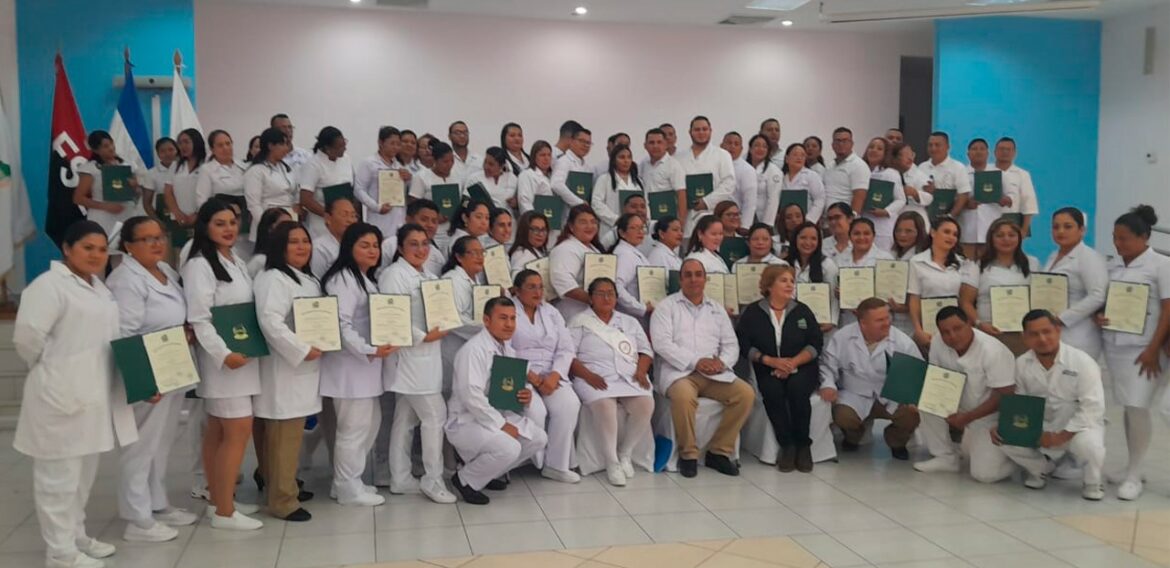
(316, 321)
(1021, 420)
(932, 389)
(390, 322)
(154, 363)
(508, 376)
(237, 325)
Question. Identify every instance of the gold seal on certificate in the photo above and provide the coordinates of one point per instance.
(479, 298)
(316, 321)
(170, 359)
(930, 309)
(1009, 305)
(856, 286)
(1049, 291)
(1126, 305)
(390, 322)
(599, 266)
(815, 295)
(391, 189)
(942, 390)
(651, 284)
(541, 266)
(747, 281)
(891, 278)
(439, 305)
(496, 267)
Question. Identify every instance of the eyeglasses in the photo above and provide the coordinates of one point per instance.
(151, 240)
(538, 230)
(474, 253)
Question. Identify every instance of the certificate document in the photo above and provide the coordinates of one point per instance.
(170, 359)
(391, 189)
(856, 286)
(930, 309)
(1009, 305)
(731, 293)
(714, 288)
(390, 322)
(651, 284)
(479, 298)
(890, 280)
(941, 391)
(496, 267)
(316, 322)
(1049, 291)
(439, 305)
(599, 266)
(1125, 307)
(747, 281)
(815, 295)
(542, 267)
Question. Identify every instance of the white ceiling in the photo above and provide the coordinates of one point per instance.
(696, 12)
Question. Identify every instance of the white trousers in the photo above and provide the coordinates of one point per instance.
(988, 463)
(489, 453)
(61, 490)
(1087, 447)
(638, 410)
(141, 487)
(428, 411)
(557, 414)
(358, 420)
(196, 424)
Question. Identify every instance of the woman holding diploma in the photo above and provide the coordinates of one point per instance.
(410, 374)
(328, 167)
(472, 218)
(500, 228)
(760, 249)
(437, 174)
(631, 231)
(72, 409)
(612, 367)
(536, 179)
(542, 338)
(531, 241)
(863, 254)
(935, 272)
(668, 236)
(353, 376)
(1003, 264)
(877, 157)
(1088, 280)
(840, 219)
(367, 189)
(90, 191)
(216, 276)
(268, 182)
(621, 177)
(222, 174)
(495, 178)
(150, 299)
(1136, 361)
(567, 260)
(808, 259)
(704, 244)
(290, 378)
(464, 269)
(910, 238)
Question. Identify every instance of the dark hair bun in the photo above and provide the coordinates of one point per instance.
(1146, 213)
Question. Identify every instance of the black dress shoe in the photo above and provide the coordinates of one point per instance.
(304, 496)
(688, 468)
(298, 516)
(258, 479)
(848, 446)
(497, 484)
(900, 453)
(300, 484)
(787, 461)
(468, 494)
(804, 461)
(722, 464)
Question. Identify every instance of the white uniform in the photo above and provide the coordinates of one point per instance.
(104, 218)
(266, 186)
(1130, 387)
(461, 169)
(769, 184)
(296, 159)
(902, 319)
(520, 160)
(662, 255)
(712, 160)
(547, 345)
(365, 190)
(607, 203)
(325, 252)
(435, 261)
(914, 177)
(683, 333)
(806, 180)
(475, 428)
(929, 280)
(883, 227)
(829, 248)
(420, 188)
(858, 373)
(848, 260)
(146, 305)
(567, 265)
(1088, 282)
(569, 162)
(500, 189)
(948, 174)
(843, 177)
(664, 175)
(747, 189)
(712, 262)
(828, 276)
(289, 385)
(1017, 184)
(217, 178)
(256, 265)
(183, 184)
(523, 256)
(993, 275)
(463, 289)
(529, 184)
(317, 174)
(73, 407)
(157, 178)
(629, 258)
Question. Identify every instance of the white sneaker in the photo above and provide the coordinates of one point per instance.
(242, 508)
(363, 499)
(1120, 477)
(1129, 489)
(1093, 492)
(372, 490)
(561, 476)
(158, 532)
(1068, 469)
(237, 522)
(95, 548)
(409, 486)
(79, 561)
(200, 492)
(176, 517)
(437, 492)
(616, 475)
(938, 465)
(1035, 481)
(627, 466)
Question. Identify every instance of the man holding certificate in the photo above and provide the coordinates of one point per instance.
(990, 370)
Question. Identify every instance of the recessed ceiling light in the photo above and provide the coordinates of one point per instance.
(786, 23)
(580, 11)
(355, 1)
(779, 5)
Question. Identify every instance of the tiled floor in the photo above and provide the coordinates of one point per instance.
(865, 511)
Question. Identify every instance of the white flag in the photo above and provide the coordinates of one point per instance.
(16, 222)
(182, 113)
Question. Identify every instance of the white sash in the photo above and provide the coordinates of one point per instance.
(617, 340)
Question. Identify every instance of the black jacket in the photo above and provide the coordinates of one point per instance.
(801, 332)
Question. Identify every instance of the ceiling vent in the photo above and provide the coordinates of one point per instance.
(746, 20)
(403, 3)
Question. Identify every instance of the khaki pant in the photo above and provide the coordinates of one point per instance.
(278, 464)
(903, 423)
(737, 398)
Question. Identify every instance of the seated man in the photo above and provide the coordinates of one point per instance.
(490, 442)
(696, 344)
(991, 373)
(1074, 411)
(853, 372)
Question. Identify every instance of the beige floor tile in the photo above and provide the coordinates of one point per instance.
(715, 545)
(783, 551)
(673, 555)
(1152, 535)
(411, 564)
(1113, 528)
(584, 553)
(725, 560)
(450, 562)
(1161, 517)
(525, 560)
(1159, 556)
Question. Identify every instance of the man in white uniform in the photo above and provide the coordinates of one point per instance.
(990, 370)
(297, 155)
(660, 171)
(572, 161)
(491, 442)
(466, 162)
(705, 158)
(895, 136)
(1017, 183)
(945, 172)
(569, 128)
(745, 178)
(848, 173)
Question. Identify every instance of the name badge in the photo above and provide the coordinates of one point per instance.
(1070, 373)
(801, 324)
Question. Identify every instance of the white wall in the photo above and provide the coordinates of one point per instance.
(1135, 120)
(360, 69)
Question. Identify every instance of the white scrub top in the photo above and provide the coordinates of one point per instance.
(289, 385)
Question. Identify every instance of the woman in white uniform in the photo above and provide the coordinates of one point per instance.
(90, 189)
(567, 260)
(531, 241)
(179, 194)
(73, 407)
(537, 178)
(163, 172)
(840, 219)
(910, 238)
(798, 176)
(935, 273)
(464, 268)
(438, 174)
(290, 378)
(268, 221)
(769, 178)
(387, 218)
(760, 251)
(216, 276)
(150, 299)
(495, 178)
(410, 374)
(791, 216)
(329, 167)
(268, 182)
(512, 141)
(704, 245)
(424, 157)
(815, 161)
(1088, 280)
(472, 218)
(353, 376)
(222, 175)
(408, 152)
(612, 367)
(863, 253)
(914, 182)
(543, 339)
(1137, 363)
(877, 157)
(668, 237)
(631, 231)
(807, 257)
(1003, 264)
(499, 228)
(620, 178)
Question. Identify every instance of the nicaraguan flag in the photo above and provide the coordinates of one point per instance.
(128, 129)
(182, 112)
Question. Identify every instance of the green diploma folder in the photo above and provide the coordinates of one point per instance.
(509, 376)
(134, 365)
(477, 192)
(880, 194)
(552, 207)
(116, 184)
(446, 196)
(1015, 218)
(581, 184)
(1021, 420)
(132, 357)
(673, 282)
(237, 325)
(179, 234)
(797, 196)
(733, 249)
(944, 202)
(624, 195)
(988, 186)
(905, 376)
(698, 187)
(662, 204)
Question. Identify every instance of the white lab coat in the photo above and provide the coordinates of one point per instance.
(420, 188)
(884, 226)
(683, 333)
(544, 341)
(848, 366)
(146, 305)
(569, 162)
(662, 255)
(411, 370)
(712, 262)
(365, 190)
(712, 160)
(629, 258)
(325, 251)
(203, 292)
(529, 184)
(296, 159)
(266, 186)
(1073, 390)
(993, 275)
(829, 276)
(914, 177)
(73, 404)
(500, 189)
(461, 169)
(317, 174)
(601, 358)
(1088, 282)
(747, 189)
(769, 184)
(829, 248)
(567, 265)
(607, 200)
(350, 373)
(523, 256)
(929, 280)
(664, 175)
(256, 265)
(843, 177)
(463, 290)
(216, 178)
(183, 183)
(806, 180)
(104, 218)
(289, 385)
(468, 406)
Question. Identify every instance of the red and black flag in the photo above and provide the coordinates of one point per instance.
(67, 151)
